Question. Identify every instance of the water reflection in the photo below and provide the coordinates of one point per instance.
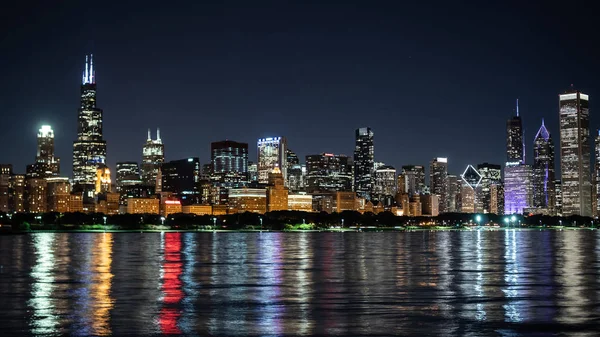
(43, 320)
(459, 283)
(171, 284)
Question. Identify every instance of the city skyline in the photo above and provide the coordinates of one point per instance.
(313, 72)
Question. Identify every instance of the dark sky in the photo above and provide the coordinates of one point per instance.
(431, 79)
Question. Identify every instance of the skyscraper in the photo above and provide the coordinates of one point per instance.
(453, 184)
(46, 164)
(515, 152)
(414, 176)
(438, 172)
(364, 159)
(229, 161)
(543, 169)
(294, 170)
(128, 174)
(89, 150)
(575, 154)
(182, 177)
(517, 176)
(491, 175)
(153, 156)
(271, 154)
(517, 189)
(470, 185)
(385, 183)
(327, 172)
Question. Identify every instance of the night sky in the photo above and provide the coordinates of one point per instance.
(431, 79)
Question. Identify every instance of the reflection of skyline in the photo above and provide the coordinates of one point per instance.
(460, 283)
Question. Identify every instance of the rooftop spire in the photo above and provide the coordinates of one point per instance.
(517, 107)
(92, 80)
(149, 135)
(157, 134)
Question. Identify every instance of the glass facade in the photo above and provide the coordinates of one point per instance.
(575, 154)
(229, 161)
(517, 188)
(328, 172)
(414, 176)
(89, 150)
(438, 173)
(128, 173)
(153, 156)
(364, 159)
(543, 170)
(491, 174)
(271, 154)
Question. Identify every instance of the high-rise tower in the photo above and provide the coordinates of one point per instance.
(153, 156)
(596, 178)
(438, 171)
(543, 169)
(364, 159)
(515, 152)
(89, 150)
(575, 153)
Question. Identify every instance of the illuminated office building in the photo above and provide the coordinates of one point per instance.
(497, 198)
(515, 151)
(558, 197)
(58, 194)
(438, 173)
(248, 200)
(17, 193)
(575, 154)
(143, 206)
(36, 195)
(89, 150)
(414, 176)
(518, 188)
(271, 154)
(182, 178)
(491, 175)
(229, 164)
(300, 202)
(543, 170)
(364, 159)
(471, 179)
(385, 184)
(153, 156)
(296, 173)
(5, 176)
(327, 172)
(128, 174)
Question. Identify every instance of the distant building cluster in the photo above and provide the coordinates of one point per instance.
(323, 182)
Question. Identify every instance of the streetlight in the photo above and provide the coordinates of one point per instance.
(478, 219)
(104, 223)
(260, 219)
(214, 221)
(342, 223)
(513, 218)
(506, 220)
(162, 220)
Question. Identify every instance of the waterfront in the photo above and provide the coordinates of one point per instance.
(462, 283)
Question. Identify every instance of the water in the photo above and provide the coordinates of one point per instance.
(505, 283)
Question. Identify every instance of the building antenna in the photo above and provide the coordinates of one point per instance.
(517, 107)
(149, 135)
(157, 133)
(85, 80)
(92, 68)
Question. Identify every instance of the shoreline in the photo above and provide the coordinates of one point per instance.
(334, 230)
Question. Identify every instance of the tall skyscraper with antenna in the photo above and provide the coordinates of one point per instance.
(518, 187)
(153, 156)
(89, 150)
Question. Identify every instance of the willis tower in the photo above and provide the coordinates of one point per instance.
(89, 150)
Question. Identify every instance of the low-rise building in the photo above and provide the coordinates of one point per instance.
(300, 202)
(143, 206)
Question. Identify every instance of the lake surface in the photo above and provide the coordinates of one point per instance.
(504, 283)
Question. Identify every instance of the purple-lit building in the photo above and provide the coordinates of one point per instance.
(517, 188)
